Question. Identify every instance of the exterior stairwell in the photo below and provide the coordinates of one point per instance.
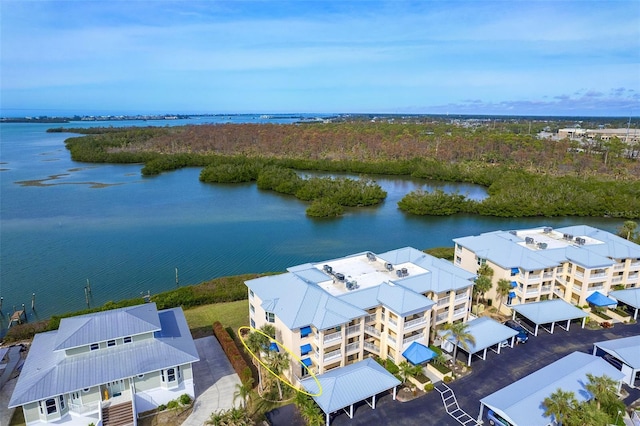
(118, 415)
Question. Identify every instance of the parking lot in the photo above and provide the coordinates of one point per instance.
(487, 377)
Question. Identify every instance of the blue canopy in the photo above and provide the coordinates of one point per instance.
(599, 299)
(515, 270)
(514, 284)
(307, 362)
(418, 353)
(274, 347)
(305, 331)
(512, 295)
(305, 349)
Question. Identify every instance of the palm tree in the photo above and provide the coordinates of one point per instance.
(278, 362)
(481, 286)
(628, 229)
(587, 414)
(308, 409)
(459, 332)
(243, 391)
(409, 370)
(603, 388)
(256, 343)
(503, 288)
(559, 404)
(485, 271)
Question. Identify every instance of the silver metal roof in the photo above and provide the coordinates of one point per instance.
(549, 311)
(630, 296)
(520, 403)
(486, 332)
(107, 325)
(626, 349)
(48, 372)
(348, 385)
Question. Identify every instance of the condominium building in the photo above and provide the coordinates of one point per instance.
(337, 312)
(629, 136)
(570, 263)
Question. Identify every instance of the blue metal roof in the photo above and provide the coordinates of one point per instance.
(549, 311)
(630, 296)
(418, 353)
(486, 332)
(348, 385)
(599, 299)
(626, 349)
(520, 403)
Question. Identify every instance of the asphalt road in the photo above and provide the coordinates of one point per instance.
(487, 377)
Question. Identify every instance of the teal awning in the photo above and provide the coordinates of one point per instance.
(418, 353)
(599, 299)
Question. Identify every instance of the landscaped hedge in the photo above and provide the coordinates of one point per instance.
(231, 350)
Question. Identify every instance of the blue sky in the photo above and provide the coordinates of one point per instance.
(479, 57)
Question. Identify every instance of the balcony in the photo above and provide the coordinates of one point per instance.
(391, 340)
(393, 321)
(579, 274)
(559, 292)
(577, 288)
(415, 322)
(412, 338)
(354, 329)
(442, 316)
(462, 296)
(635, 264)
(352, 347)
(443, 302)
(370, 318)
(459, 312)
(545, 288)
(595, 287)
(547, 275)
(616, 279)
(534, 276)
(329, 356)
(84, 408)
(371, 330)
(332, 337)
(372, 348)
(598, 275)
(532, 291)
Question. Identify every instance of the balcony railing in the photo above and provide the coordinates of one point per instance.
(577, 288)
(353, 329)
(633, 264)
(545, 288)
(332, 355)
(616, 279)
(392, 321)
(84, 408)
(459, 311)
(353, 347)
(371, 330)
(620, 266)
(534, 276)
(391, 340)
(559, 292)
(443, 302)
(371, 347)
(331, 337)
(411, 338)
(579, 274)
(598, 275)
(547, 275)
(595, 287)
(415, 322)
(442, 316)
(370, 318)
(531, 291)
(463, 296)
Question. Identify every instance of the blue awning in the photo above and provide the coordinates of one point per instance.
(418, 353)
(599, 299)
(305, 331)
(305, 349)
(512, 294)
(273, 347)
(514, 284)
(307, 362)
(515, 270)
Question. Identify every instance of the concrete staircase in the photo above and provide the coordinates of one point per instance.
(118, 415)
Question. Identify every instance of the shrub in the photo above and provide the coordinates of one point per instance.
(173, 404)
(447, 379)
(184, 399)
(230, 349)
(391, 367)
(429, 387)
(162, 407)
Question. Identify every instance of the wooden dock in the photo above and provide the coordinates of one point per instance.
(18, 317)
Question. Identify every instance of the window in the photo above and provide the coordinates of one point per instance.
(127, 339)
(140, 376)
(95, 346)
(253, 324)
(111, 343)
(51, 406)
(458, 260)
(251, 308)
(86, 390)
(61, 402)
(270, 316)
(170, 374)
(250, 293)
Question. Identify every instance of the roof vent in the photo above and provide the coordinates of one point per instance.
(339, 276)
(402, 272)
(567, 236)
(529, 240)
(542, 246)
(513, 232)
(328, 269)
(388, 266)
(580, 241)
(371, 256)
(547, 229)
(352, 284)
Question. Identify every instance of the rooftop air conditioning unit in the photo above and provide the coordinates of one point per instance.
(542, 246)
(580, 241)
(528, 240)
(339, 276)
(513, 232)
(547, 230)
(388, 266)
(328, 269)
(371, 256)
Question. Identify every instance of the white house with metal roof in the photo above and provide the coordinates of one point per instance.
(105, 368)
(340, 311)
(520, 403)
(570, 263)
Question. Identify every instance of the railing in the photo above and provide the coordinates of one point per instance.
(463, 296)
(632, 276)
(415, 322)
(459, 311)
(579, 274)
(534, 276)
(331, 337)
(443, 302)
(559, 292)
(442, 316)
(616, 279)
(411, 338)
(577, 288)
(547, 275)
(598, 275)
(371, 330)
(595, 287)
(371, 347)
(352, 347)
(353, 329)
(84, 408)
(370, 318)
(545, 288)
(332, 355)
(535, 290)
(392, 321)
(633, 264)
(391, 339)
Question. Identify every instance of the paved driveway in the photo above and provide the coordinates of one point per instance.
(214, 381)
(487, 377)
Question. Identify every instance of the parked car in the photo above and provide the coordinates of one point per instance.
(522, 335)
(495, 419)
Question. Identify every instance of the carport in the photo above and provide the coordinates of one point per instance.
(625, 351)
(520, 403)
(549, 312)
(488, 334)
(341, 388)
(630, 296)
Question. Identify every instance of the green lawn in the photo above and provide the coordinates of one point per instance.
(230, 314)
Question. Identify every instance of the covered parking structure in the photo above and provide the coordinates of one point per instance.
(623, 354)
(549, 312)
(341, 388)
(630, 297)
(520, 403)
(488, 334)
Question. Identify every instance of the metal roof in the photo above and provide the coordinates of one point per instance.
(417, 353)
(630, 296)
(626, 349)
(549, 311)
(48, 372)
(600, 299)
(520, 403)
(348, 385)
(83, 330)
(486, 332)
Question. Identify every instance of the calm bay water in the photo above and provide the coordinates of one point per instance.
(73, 221)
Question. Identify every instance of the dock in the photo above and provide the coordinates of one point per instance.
(18, 317)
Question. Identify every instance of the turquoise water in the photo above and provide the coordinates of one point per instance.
(127, 234)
